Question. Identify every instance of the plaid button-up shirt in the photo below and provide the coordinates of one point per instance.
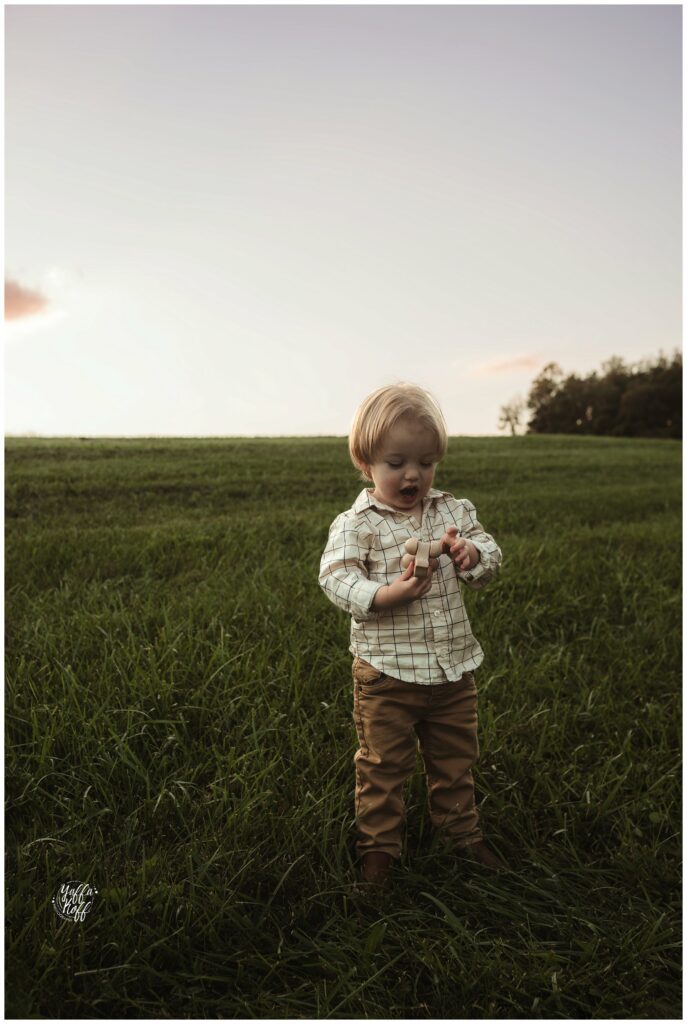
(428, 640)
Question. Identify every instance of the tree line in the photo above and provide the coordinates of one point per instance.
(643, 399)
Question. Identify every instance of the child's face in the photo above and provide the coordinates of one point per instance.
(404, 468)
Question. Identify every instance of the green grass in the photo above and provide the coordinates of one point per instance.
(179, 734)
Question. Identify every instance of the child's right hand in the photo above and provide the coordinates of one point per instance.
(405, 589)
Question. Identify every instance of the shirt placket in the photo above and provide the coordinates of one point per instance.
(440, 631)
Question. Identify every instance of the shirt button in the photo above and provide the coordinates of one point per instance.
(437, 613)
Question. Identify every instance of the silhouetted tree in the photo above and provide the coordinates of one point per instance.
(644, 400)
(541, 399)
(511, 414)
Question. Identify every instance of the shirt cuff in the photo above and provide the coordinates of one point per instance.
(362, 597)
(477, 570)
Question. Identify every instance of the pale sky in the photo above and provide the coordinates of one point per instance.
(229, 220)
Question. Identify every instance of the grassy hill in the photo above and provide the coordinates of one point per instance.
(179, 734)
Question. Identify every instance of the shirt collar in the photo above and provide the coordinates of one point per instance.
(365, 500)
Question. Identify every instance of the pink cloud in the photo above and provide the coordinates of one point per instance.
(21, 301)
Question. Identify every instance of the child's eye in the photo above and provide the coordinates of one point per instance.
(397, 465)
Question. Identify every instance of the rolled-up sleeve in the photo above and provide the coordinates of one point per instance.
(489, 552)
(343, 567)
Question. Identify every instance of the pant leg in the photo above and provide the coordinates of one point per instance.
(450, 748)
(384, 712)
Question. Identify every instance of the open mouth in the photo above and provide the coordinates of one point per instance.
(409, 492)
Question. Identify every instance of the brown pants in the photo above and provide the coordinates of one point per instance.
(390, 717)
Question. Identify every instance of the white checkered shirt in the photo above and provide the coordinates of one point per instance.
(428, 640)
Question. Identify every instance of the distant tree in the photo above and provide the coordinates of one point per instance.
(644, 400)
(652, 403)
(543, 391)
(511, 414)
(615, 366)
(605, 395)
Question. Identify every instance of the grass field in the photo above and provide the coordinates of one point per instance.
(179, 734)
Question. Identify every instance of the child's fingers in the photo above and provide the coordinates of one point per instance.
(449, 537)
(460, 554)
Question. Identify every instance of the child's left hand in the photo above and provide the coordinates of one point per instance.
(462, 551)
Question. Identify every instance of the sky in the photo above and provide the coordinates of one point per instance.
(241, 220)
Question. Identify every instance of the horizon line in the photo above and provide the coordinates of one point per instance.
(214, 437)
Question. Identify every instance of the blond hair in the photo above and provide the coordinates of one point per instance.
(378, 413)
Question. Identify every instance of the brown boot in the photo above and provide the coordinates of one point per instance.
(481, 854)
(376, 867)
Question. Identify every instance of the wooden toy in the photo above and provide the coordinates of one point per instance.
(420, 552)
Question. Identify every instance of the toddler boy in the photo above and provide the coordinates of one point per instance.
(414, 654)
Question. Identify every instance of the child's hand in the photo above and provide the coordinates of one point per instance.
(462, 551)
(405, 589)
